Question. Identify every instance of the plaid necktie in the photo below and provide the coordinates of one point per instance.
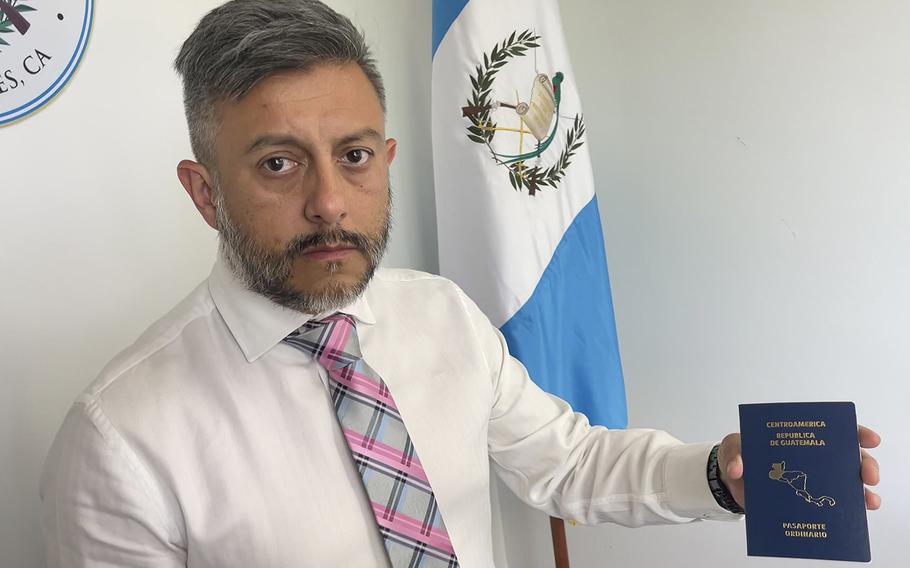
(399, 492)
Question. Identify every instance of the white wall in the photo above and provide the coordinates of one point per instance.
(752, 160)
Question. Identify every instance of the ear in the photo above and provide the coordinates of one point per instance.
(197, 181)
(391, 146)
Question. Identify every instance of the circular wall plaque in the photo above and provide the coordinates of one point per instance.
(41, 44)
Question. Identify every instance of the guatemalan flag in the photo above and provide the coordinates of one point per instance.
(518, 224)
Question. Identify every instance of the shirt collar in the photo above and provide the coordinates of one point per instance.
(256, 322)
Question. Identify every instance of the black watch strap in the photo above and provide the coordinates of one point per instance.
(718, 488)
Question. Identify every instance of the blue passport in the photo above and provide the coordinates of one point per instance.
(804, 494)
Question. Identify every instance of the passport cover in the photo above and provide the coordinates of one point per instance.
(804, 494)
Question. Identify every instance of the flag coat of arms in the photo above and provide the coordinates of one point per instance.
(518, 224)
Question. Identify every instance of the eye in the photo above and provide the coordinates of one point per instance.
(357, 156)
(279, 165)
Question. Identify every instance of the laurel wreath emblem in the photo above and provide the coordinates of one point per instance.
(6, 25)
(481, 131)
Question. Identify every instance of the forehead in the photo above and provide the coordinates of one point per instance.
(327, 100)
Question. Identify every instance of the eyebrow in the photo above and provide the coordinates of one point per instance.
(358, 136)
(291, 140)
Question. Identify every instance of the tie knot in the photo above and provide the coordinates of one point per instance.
(332, 340)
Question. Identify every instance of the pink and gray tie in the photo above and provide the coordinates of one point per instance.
(401, 497)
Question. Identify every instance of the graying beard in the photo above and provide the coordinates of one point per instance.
(267, 273)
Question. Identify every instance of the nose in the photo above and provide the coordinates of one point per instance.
(326, 203)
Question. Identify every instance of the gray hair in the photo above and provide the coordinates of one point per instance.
(241, 42)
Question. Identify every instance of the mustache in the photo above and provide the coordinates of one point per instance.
(301, 243)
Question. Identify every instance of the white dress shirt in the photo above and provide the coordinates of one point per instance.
(209, 443)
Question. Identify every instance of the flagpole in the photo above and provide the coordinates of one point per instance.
(560, 548)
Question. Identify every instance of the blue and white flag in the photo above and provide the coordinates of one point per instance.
(518, 224)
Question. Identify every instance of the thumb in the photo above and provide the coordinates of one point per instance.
(734, 467)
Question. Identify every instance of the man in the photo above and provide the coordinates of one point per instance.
(301, 407)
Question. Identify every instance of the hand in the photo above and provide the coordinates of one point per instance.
(730, 461)
(869, 466)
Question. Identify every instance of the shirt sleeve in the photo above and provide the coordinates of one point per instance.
(554, 460)
(100, 507)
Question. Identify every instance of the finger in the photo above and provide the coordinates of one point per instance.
(868, 438)
(873, 501)
(869, 469)
(734, 467)
(730, 457)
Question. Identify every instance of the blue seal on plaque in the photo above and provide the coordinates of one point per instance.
(41, 45)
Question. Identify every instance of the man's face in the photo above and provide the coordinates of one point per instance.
(301, 191)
